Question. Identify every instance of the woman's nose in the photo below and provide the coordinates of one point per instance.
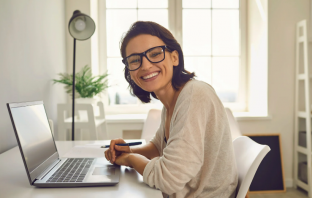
(146, 64)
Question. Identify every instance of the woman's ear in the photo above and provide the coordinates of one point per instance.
(175, 58)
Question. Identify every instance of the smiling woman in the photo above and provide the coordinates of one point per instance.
(191, 154)
(152, 35)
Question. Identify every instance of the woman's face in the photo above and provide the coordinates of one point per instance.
(152, 77)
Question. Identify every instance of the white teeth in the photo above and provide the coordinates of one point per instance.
(150, 76)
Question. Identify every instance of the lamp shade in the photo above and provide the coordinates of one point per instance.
(81, 26)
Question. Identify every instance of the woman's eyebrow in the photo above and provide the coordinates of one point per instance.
(134, 54)
(137, 52)
(145, 50)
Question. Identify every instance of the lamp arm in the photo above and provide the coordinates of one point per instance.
(73, 102)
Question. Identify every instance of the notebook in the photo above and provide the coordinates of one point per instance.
(42, 162)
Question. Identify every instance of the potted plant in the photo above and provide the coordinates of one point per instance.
(86, 85)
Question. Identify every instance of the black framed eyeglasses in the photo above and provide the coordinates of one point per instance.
(153, 55)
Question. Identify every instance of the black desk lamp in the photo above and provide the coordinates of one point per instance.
(80, 27)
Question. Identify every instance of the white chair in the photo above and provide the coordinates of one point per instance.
(235, 131)
(85, 120)
(151, 124)
(248, 155)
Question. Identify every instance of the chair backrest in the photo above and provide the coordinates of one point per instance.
(235, 131)
(151, 124)
(248, 155)
(85, 115)
(65, 110)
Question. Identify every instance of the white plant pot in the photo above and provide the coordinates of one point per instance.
(92, 101)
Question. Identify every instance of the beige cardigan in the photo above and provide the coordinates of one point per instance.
(198, 158)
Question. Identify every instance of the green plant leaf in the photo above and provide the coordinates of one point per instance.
(86, 85)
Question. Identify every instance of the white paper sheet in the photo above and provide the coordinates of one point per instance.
(95, 145)
(91, 150)
(85, 151)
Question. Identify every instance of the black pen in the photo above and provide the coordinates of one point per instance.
(127, 144)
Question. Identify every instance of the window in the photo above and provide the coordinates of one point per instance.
(209, 32)
(211, 45)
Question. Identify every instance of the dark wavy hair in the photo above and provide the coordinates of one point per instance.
(180, 75)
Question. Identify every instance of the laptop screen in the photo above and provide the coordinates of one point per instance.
(34, 134)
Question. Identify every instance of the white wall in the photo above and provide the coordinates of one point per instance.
(282, 18)
(32, 52)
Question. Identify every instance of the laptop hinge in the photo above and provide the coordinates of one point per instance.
(44, 173)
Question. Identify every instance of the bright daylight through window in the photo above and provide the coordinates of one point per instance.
(210, 39)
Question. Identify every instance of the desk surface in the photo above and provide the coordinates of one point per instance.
(14, 181)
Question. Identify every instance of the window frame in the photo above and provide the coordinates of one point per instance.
(175, 26)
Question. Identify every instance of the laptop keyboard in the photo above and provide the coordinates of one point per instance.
(73, 170)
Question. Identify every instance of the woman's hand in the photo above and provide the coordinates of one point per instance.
(114, 151)
(123, 160)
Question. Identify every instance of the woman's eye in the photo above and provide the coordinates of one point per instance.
(135, 61)
(155, 54)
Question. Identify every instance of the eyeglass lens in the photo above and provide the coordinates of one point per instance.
(154, 55)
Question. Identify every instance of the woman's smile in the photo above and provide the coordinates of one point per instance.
(150, 76)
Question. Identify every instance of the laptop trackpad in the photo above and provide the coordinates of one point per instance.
(103, 171)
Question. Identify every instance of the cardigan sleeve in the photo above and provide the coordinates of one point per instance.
(183, 156)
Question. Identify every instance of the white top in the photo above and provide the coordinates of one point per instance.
(198, 158)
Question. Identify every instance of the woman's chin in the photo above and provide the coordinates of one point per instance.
(149, 89)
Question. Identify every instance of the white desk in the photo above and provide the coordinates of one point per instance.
(14, 181)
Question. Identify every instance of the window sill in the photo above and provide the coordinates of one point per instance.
(245, 116)
(126, 118)
(140, 118)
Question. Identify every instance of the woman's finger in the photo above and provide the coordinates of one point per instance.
(112, 148)
(122, 148)
(112, 151)
(109, 155)
(106, 155)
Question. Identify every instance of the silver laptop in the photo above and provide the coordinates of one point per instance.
(43, 165)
